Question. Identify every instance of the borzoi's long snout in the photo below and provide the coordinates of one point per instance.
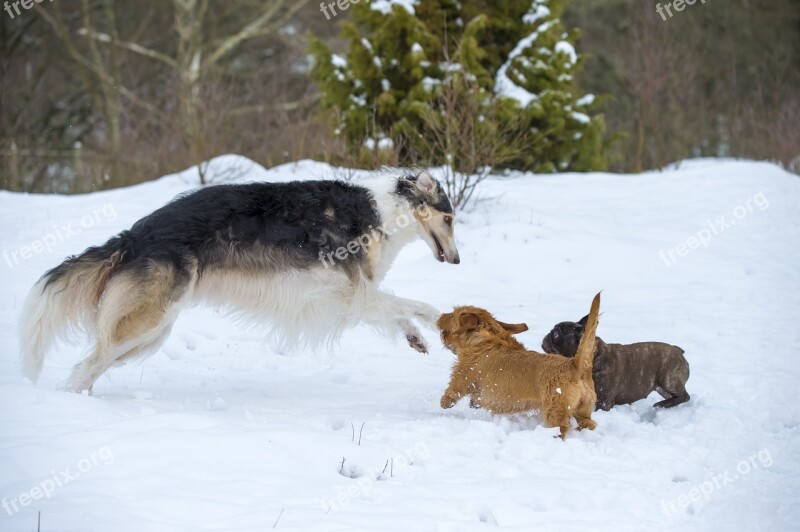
(437, 231)
(447, 250)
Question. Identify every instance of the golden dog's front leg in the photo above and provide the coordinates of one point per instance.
(459, 386)
(475, 400)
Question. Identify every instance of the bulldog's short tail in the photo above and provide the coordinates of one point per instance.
(584, 357)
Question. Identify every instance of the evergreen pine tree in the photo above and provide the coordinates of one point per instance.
(538, 77)
(513, 56)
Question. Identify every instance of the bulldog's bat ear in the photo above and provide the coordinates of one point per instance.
(514, 328)
(425, 182)
(583, 320)
(468, 322)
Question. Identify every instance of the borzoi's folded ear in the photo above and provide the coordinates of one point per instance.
(425, 182)
(514, 328)
(468, 322)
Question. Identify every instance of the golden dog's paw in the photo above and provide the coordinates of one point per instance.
(587, 424)
(447, 401)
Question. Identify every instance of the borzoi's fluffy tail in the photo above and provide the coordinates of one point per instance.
(64, 301)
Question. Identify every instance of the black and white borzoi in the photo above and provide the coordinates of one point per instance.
(304, 258)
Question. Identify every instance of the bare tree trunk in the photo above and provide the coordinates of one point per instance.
(103, 81)
(111, 100)
(189, 16)
(195, 56)
(195, 51)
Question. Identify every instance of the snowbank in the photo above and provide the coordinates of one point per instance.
(218, 431)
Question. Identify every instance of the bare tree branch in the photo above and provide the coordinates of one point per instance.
(130, 46)
(258, 27)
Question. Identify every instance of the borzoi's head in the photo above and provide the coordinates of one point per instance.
(433, 213)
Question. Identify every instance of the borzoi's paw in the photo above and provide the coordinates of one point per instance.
(417, 342)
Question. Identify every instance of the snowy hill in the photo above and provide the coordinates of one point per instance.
(218, 431)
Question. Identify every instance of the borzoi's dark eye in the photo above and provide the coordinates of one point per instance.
(448, 220)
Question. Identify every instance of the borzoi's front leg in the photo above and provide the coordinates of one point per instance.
(395, 314)
(424, 312)
(413, 336)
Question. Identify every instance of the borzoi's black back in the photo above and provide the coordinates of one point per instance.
(258, 227)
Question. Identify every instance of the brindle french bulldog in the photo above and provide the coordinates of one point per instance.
(624, 374)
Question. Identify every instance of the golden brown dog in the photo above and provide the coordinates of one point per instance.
(500, 375)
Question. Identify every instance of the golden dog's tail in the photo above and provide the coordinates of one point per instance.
(584, 357)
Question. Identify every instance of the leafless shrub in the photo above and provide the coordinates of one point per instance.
(464, 128)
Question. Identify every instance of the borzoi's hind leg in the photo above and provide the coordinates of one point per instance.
(143, 351)
(134, 318)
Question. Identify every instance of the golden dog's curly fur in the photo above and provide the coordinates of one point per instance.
(500, 375)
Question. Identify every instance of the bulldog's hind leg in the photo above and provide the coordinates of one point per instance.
(134, 318)
(673, 398)
(673, 387)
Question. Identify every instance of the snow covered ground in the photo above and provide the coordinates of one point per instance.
(218, 431)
